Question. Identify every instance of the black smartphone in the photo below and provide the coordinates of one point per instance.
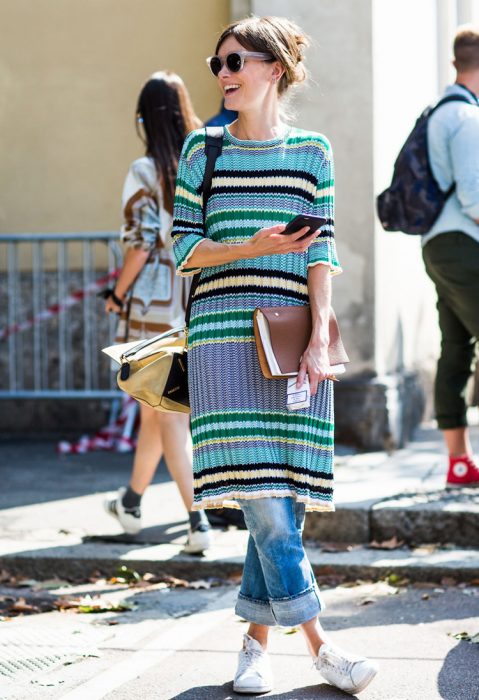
(302, 220)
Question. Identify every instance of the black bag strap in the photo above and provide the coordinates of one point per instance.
(213, 147)
(444, 101)
(453, 98)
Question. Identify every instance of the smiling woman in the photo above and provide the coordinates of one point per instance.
(249, 449)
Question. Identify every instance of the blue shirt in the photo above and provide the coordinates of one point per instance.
(453, 147)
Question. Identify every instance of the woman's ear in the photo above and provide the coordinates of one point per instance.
(278, 71)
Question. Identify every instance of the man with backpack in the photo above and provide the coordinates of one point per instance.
(451, 251)
(435, 193)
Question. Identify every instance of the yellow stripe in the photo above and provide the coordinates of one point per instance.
(186, 194)
(230, 440)
(215, 341)
(248, 280)
(297, 182)
(259, 474)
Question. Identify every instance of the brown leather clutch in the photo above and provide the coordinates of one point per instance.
(282, 335)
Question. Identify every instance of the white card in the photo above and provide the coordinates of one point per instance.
(298, 398)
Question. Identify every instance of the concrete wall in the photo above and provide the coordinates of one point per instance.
(405, 319)
(70, 74)
(338, 102)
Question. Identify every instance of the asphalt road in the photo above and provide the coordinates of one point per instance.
(182, 644)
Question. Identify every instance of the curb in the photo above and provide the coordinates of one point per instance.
(433, 517)
(415, 564)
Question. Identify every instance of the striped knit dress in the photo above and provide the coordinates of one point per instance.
(246, 444)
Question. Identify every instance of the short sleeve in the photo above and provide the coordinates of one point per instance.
(323, 250)
(187, 230)
(141, 227)
(465, 163)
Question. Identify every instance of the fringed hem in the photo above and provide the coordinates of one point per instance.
(228, 502)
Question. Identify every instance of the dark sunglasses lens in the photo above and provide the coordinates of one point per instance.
(215, 65)
(233, 61)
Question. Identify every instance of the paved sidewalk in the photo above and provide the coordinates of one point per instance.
(182, 644)
(52, 520)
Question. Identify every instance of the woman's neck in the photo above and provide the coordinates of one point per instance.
(256, 126)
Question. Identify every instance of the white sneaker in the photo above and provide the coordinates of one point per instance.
(129, 518)
(345, 671)
(198, 540)
(254, 670)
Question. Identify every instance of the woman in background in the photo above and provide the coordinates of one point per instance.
(148, 295)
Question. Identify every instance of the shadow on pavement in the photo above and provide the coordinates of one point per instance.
(460, 663)
(322, 691)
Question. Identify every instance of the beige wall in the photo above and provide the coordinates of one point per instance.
(70, 73)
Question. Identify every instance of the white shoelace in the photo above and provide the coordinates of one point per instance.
(250, 659)
(338, 663)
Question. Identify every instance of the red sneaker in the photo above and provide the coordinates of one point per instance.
(462, 472)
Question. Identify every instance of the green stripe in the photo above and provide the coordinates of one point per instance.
(325, 184)
(260, 433)
(186, 185)
(222, 317)
(241, 332)
(274, 417)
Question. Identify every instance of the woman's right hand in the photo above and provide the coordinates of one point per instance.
(272, 240)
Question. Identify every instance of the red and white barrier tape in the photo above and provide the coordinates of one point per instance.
(74, 298)
(118, 437)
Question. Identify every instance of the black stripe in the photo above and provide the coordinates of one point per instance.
(264, 480)
(187, 224)
(252, 272)
(304, 174)
(267, 189)
(255, 289)
(264, 465)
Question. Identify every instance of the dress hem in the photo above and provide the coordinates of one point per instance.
(228, 502)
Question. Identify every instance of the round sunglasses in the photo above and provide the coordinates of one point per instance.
(235, 60)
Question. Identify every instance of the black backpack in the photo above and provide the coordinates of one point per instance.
(414, 200)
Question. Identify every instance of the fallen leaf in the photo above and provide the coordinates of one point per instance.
(26, 582)
(460, 635)
(196, 585)
(21, 606)
(367, 601)
(393, 543)
(126, 575)
(396, 580)
(333, 547)
(448, 581)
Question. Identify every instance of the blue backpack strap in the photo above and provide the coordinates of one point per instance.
(453, 98)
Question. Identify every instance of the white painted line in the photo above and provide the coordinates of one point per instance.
(182, 632)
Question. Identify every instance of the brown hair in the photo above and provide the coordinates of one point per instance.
(466, 48)
(283, 39)
(167, 117)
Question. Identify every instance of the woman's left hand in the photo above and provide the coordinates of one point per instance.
(112, 307)
(314, 363)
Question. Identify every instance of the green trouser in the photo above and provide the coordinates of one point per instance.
(452, 262)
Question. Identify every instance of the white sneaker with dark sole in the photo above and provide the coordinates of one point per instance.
(254, 670)
(345, 671)
(129, 518)
(199, 539)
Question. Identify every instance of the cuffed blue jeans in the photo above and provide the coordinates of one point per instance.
(278, 585)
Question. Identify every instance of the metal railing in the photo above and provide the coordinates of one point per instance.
(52, 323)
